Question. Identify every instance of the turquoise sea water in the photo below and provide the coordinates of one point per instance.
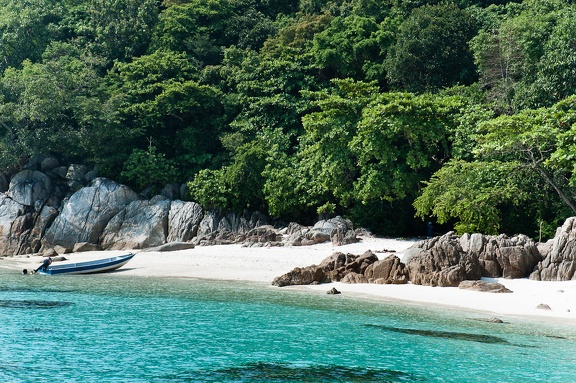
(113, 328)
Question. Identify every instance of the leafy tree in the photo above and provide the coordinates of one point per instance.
(352, 47)
(521, 162)
(235, 186)
(329, 131)
(431, 50)
(400, 140)
(531, 137)
(26, 29)
(472, 193)
(115, 29)
(161, 98)
(196, 27)
(555, 78)
(508, 53)
(48, 106)
(264, 91)
(203, 29)
(147, 168)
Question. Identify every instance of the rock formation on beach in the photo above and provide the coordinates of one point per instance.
(348, 268)
(48, 204)
(52, 208)
(450, 260)
(559, 263)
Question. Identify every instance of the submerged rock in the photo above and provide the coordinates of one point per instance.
(333, 291)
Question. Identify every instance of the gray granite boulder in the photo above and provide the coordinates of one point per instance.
(353, 277)
(85, 215)
(9, 235)
(183, 221)
(30, 188)
(32, 241)
(442, 262)
(48, 163)
(484, 286)
(172, 246)
(77, 172)
(502, 256)
(141, 224)
(389, 270)
(334, 268)
(338, 230)
(224, 228)
(560, 262)
(266, 234)
(301, 276)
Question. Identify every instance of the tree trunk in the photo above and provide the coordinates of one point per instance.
(553, 184)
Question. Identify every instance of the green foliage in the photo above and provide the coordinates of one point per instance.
(26, 28)
(555, 78)
(285, 106)
(521, 162)
(431, 51)
(115, 29)
(148, 168)
(509, 55)
(209, 190)
(236, 186)
(400, 140)
(471, 193)
(161, 97)
(47, 107)
(325, 146)
(352, 47)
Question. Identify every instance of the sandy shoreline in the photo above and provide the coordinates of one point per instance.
(236, 263)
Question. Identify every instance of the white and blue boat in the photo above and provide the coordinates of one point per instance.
(88, 267)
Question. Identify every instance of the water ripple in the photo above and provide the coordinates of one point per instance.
(32, 304)
(277, 373)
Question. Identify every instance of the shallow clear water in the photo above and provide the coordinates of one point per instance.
(112, 328)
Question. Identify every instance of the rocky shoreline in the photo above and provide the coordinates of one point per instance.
(449, 260)
(50, 209)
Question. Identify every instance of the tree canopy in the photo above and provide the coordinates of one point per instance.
(390, 112)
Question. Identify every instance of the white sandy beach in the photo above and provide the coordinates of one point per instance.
(233, 262)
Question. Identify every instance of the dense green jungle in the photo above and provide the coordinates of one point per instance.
(391, 113)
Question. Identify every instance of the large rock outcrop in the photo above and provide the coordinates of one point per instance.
(10, 224)
(183, 221)
(152, 223)
(139, 225)
(502, 256)
(45, 203)
(449, 259)
(389, 270)
(85, 215)
(30, 188)
(219, 228)
(338, 230)
(441, 261)
(347, 268)
(559, 263)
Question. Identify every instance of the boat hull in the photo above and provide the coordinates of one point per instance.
(89, 267)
